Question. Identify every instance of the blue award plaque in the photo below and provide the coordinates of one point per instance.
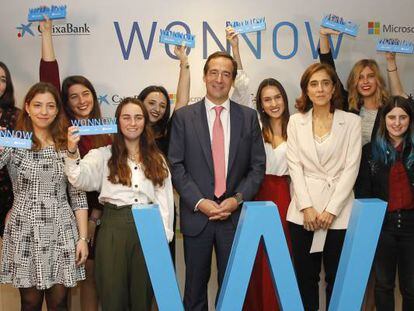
(395, 46)
(16, 139)
(339, 24)
(177, 38)
(249, 25)
(53, 12)
(96, 126)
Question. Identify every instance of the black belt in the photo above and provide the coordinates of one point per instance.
(116, 207)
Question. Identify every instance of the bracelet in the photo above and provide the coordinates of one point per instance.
(84, 239)
(392, 70)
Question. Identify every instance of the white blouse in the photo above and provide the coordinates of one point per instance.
(91, 174)
(276, 162)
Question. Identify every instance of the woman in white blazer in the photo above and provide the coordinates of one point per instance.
(323, 153)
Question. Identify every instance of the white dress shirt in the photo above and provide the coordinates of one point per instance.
(91, 174)
(225, 121)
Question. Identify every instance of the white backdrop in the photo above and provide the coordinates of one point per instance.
(98, 54)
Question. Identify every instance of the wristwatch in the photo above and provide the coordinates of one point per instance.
(97, 221)
(239, 198)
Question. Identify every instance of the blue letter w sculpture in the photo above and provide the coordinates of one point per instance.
(261, 219)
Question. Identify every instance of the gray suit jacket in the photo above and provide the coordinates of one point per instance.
(192, 162)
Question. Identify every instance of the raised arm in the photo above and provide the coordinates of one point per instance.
(325, 54)
(233, 37)
(49, 69)
(183, 87)
(241, 94)
(393, 76)
(325, 57)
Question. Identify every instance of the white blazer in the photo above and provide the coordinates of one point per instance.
(325, 184)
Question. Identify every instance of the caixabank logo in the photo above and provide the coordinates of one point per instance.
(65, 29)
(25, 29)
(377, 28)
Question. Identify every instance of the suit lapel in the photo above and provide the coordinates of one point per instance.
(336, 132)
(236, 126)
(203, 134)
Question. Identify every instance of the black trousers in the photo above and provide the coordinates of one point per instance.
(395, 249)
(197, 255)
(308, 266)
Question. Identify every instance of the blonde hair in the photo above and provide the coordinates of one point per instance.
(355, 100)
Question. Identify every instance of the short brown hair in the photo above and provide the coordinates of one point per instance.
(303, 103)
(224, 55)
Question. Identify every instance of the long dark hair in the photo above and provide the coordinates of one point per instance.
(303, 103)
(382, 148)
(7, 100)
(264, 118)
(160, 127)
(154, 164)
(57, 129)
(97, 140)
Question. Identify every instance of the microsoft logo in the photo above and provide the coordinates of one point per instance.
(173, 98)
(374, 28)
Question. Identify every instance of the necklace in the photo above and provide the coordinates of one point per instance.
(134, 158)
(322, 126)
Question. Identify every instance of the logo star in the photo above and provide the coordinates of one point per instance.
(103, 99)
(25, 28)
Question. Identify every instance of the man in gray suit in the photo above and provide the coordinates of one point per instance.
(217, 160)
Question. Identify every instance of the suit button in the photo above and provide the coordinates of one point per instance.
(136, 200)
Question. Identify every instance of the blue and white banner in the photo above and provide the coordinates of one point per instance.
(118, 51)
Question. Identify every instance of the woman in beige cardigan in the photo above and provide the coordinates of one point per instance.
(323, 152)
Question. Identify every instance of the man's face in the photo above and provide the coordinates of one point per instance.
(219, 79)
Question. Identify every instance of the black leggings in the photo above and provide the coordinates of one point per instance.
(32, 299)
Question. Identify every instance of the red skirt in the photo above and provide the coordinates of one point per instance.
(261, 291)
